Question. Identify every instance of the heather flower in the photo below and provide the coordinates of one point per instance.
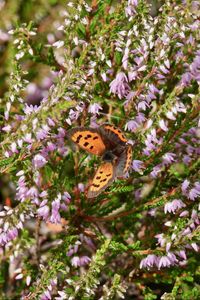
(185, 186)
(119, 85)
(168, 158)
(131, 126)
(195, 247)
(194, 192)
(94, 108)
(55, 215)
(39, 161)
(171, 207)
(75, 261)
(66, 197)
(80, 261)
(161, 239)
(184, 213)
(164, 262)
(150, 261)
(182, 254)
(156, 170)
(28, 280)
(137, 165)
(43, 212)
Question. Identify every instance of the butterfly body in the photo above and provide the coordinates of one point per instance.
(108, 142)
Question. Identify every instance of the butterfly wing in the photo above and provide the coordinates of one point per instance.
(89, 139)
(124, 161)
(114, 134)
(102, 179)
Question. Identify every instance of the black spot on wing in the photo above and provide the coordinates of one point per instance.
(78, 138)
(96, 185)
(103, 180)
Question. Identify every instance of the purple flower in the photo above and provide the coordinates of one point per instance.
(42, 132)
(131, 126)
(94, 108)
(185, 186)
(50, 122)
(156, 171)
(32, 192)
(137, 165)
(164, 262)
(195, 217)
(80, 261)
(43, 212)
(184, 213)
(39, 161)
(142, 105)
(29, 109)
(66, 197)
(84, 260)
(161, 239)
(168, 158)
(28, 138)
(149, 261)
(75, 261)
(46, 295)
(172, 258)
(168, 246)
(81, 187)
(119, 85)
(182, 254)
(195, 247)
(73, 250)
(171, 207)
(55, 215)
(194, 192)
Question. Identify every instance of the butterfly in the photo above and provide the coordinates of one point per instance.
(110, 143)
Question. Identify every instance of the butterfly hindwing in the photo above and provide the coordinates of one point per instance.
(124, 161)
(102, 179)
(88, 139)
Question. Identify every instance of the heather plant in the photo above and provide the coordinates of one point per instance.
(85, 63)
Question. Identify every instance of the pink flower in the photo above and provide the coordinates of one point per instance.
(164, 262)
(171, 207)
(137, 165)
(66, 197)
(185, 186)
(43, 212)
(39, 161)
(194, 192)
(80, 261)
(119, 85)
(149, 261)
(94, 108)
(168, 158)
(55, 215)
(131, 126)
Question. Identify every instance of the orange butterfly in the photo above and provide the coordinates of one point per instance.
(109, 142)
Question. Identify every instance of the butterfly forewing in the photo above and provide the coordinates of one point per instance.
(88, 139)
(114, 134)
(102, 179)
